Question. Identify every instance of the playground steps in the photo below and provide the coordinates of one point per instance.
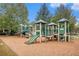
(43, 39)
(49, 38)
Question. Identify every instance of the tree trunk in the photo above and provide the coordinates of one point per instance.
(3, 30)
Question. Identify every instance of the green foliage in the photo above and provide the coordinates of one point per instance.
(77, 28)
(12, 16)
(23, 13)
(43, 13)
(72, 22)
(64, 12)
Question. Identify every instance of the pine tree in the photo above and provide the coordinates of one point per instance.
(64, 12)
(43, 13)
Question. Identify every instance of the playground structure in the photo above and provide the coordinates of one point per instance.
(63, 30)
(52, 31)
(26, 30)
(40, 29)
(59, 31)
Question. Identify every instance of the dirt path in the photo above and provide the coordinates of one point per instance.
(50, 48)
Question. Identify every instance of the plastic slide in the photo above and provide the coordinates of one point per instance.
(32, 39)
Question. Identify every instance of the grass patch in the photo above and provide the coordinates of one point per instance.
(5, 50)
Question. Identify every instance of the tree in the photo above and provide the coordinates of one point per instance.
(23, 13)
(72, 22)
(64, 12)
(77, 28)
(10, 18)
(43, 13)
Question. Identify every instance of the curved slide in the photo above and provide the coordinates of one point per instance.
(32, 39)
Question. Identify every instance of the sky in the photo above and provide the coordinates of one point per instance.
(33, 8)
